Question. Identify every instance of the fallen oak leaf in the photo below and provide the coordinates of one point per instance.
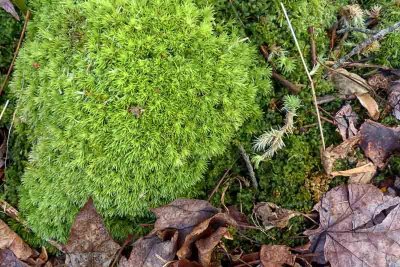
(379, 142)
(352, 84)
(153, 250)
(89, 242)
(8, 258)
(272, 215)
(276, 256)
(10, 240)
(205, 247)
(359, 226)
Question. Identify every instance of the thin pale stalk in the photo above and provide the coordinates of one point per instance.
(308, 75)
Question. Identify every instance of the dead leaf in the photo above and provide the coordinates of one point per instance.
(346, 121)
(359, 226)
(239, 217)
(365, 176)
(8, 259)
(379, 142)
(394, 98)
(89, 242)
(272, 215)
(205, 247)
(137, 111)
(379, 81)
(276, 256)
(183, 215)
(185, 263)
(366, 168)
(153, 251)
(205, 230)
(10, 240)
(8, 6)
(332, 154)
(352, 84)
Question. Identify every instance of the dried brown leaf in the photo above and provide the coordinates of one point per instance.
(153, 250)
(272, 215)
(276, 256)
(239, 217)
(8, 6)
(183, 215)
(346, 121)
(369, 171)
(185, 263)
(89, 242)
(394, 98)
(352, 84)
(359, 226)
(205, 247)
(8, 259)
(10, 240)
(379, 142)
(332, 154)
(204, 230)
(366, 168)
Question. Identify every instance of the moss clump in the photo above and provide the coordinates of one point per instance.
(125, 102)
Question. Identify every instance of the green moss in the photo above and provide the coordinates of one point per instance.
(127, 109)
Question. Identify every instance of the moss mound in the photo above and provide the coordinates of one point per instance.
(125, 101)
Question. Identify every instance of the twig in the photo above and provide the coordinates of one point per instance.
(14, 214)
(358, 65)
(329, 98)
(249, 166)
(21, 37)
(308, 75)
(4, 109)
(289, 85)
(219, 183)
(8, 140)
(313, 47)
(354, 29)
(378, 36)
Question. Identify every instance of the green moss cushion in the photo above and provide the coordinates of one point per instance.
(126, 102)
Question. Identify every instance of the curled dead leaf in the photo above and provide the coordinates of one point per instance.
(8, 258)
(352, 84)
(394, 98)
(10, 240)
(379, 142)
(332, 154)
(359, 226)
(183, 215)
(153, 250)
(272, 215)
(346, 121)
(89, 242)
(204, 230)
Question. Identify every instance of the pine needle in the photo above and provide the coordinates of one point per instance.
(308, 75)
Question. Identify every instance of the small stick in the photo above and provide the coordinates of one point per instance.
(378, 36)
(289, 85)
(4, 109)
(250, 169)
(313, 47)
(308, 75)
(357, 65)
(219, 183)
(21, 37)
(354, 29)
(329, 98)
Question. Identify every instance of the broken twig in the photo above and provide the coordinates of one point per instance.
(354, 29)
(289, 85)
(313, 47)
(249, 166)
(308, 75)
(21, 37)
(376, 37)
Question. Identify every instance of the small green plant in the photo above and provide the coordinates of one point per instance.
(272, 141)
(126, 102)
